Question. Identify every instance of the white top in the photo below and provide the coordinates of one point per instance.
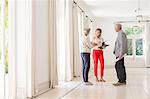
(85, 44)
(97, 41)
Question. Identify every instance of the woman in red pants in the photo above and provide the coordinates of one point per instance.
(98, 55)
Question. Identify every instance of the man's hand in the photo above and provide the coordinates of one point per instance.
(121, 56)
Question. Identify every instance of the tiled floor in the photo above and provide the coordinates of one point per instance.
(138, 87)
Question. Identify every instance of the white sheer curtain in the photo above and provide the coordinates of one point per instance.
(53, 44)
(76, 47)
(69, 39)
(25, 36)
(64, 40)
(70, 23)
(60, 12)
(19, 28)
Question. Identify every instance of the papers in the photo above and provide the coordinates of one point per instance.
(104, 45)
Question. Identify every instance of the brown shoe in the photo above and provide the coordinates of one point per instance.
(102, 80)
(97, 79)
(119, 84)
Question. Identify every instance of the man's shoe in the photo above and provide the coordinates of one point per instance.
(119, 84)
(124, 83)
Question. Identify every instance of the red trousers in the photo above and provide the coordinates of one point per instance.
(98, 55)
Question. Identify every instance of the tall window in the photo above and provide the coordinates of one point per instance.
(6, 36)
(3, 48)
(135, 39)
(2, 81)
(4, 33)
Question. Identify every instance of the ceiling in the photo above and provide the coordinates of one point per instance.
(114, 8)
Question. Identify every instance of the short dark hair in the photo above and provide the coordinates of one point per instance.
(98, 29)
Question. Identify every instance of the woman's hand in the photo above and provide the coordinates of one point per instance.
(94, 44)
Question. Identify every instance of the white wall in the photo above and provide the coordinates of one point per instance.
(147, 49)
(109, 34)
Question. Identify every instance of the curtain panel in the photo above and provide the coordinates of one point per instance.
(64, 40)
(53, 44)
(76, 42)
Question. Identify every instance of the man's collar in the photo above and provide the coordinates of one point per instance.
(120, 31)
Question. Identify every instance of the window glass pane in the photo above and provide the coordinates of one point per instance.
(130, 50)
(133, 30)
(137, 30)
(6, 36)
(128, 30)
(139, 47)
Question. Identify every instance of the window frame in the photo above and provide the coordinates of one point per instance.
(134, 37)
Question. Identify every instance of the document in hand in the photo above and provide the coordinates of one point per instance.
(104, 45)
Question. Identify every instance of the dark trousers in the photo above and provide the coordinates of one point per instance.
(121, 71)
(85, 65)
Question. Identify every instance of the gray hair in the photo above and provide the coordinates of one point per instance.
(86, 31)
(119, 25)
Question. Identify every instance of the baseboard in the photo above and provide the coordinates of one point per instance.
(42, 88)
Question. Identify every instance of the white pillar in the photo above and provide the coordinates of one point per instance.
(69, 39)
(53, 76)
(147, 45)
(76, 46)
(64, 40)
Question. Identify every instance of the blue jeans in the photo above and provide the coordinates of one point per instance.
(85, 65)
